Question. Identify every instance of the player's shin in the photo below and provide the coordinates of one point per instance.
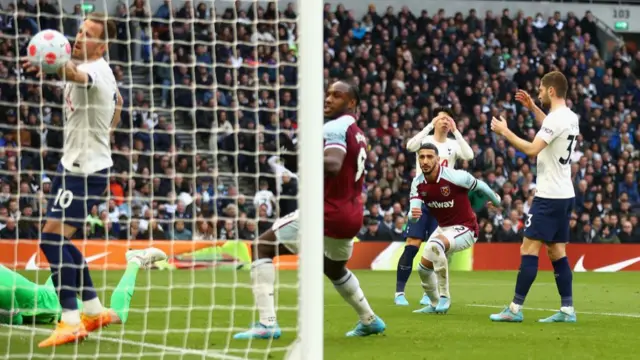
(435, 251)
(348, 287)
(526, 277)
(63, 275)
(90, 300)
(263, 276)
(405, 266)
(429, 283)
(564, 282)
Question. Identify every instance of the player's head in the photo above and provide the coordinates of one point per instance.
(553, 86)
(92, 38)
(428, 158)
(443, 115)
(342, 97)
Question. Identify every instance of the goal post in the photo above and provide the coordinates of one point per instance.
(311, 284)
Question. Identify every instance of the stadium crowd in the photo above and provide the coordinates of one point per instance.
(243, 90)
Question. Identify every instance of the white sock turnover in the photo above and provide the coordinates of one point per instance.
(435, 252)
(92, 307)
(429, 283)
(349, 288)
(71, 317)
(263, 276)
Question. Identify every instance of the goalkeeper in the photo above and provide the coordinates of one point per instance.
(25, 302)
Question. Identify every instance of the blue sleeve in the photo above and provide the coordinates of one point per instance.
(335, 133)
(466, 180)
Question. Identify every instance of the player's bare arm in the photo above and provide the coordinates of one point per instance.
(333, 159)
(525, 99)
(414, 143)
(500, 127)
(466, 153)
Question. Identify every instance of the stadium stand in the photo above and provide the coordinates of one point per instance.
(406, 64)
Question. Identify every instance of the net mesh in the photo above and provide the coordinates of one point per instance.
(202, 157)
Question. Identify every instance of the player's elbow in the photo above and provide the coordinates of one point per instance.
(531, 151)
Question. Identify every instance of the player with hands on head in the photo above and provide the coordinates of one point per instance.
(415, 233)
(547, 222)
(345, 154)
(92, 109)
(445, 192)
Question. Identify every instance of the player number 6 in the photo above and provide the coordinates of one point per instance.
(362, 158)
(63, 199)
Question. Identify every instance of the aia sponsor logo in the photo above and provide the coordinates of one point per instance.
(445, 191)
(440, 204)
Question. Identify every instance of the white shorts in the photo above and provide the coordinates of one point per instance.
(460, 237)
(286, 230)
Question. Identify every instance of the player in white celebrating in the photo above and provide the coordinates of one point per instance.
(548, 219)
(92, 109)
(450, 151)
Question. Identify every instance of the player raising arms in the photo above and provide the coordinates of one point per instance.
(24, 302)
(415, 233)
(345, 151)
(548, 219)
(92, 107)
(444, 191)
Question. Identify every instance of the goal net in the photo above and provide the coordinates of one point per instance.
(205, 160)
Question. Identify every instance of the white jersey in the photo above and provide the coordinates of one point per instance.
(449, 151)
(559, 130)
(89, 111)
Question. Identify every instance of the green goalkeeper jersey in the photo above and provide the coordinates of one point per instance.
(26, 299)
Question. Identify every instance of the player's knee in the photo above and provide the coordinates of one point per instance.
(434, 250)
(556, 251)
(530, 247)
(411, 241)
(334, 270)
(425, 263)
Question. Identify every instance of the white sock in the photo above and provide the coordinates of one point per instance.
(567, 310)
(436, 254)
(429, 283)
(515, 307)
(92, 307)
(263, 276)
(399, 293)
(71, 317)
(349, 287)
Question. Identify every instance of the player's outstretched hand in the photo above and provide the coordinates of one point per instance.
(499, 126)
(416, 213)
(32, 68)
(525, 99)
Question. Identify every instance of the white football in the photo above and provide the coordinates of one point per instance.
(50, 50)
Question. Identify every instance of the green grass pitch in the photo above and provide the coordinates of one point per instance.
(171, 319)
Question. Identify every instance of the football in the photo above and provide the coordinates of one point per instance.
(50, 50)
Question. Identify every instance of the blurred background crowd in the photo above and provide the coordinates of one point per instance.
(207, 142)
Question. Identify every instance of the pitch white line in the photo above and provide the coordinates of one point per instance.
(171, 349)
(637, 316)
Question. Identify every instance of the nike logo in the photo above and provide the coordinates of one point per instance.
(32, 265)
(579, 267)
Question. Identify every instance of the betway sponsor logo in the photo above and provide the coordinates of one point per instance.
(440, 204)
(615, 267)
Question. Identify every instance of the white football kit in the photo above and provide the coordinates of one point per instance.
(89, 112)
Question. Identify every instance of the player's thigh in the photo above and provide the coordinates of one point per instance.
(286, 230)
(338, 249)
(460, 238)
(73, 197)
(420, 230)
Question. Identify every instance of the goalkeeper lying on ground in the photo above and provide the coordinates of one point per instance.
(25, 302)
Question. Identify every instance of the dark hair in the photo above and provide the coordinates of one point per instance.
(429, 146)
(443, 109)
(109, 29)
(558, 82)
(354, 93)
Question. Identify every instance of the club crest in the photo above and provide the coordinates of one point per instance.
(445, 191)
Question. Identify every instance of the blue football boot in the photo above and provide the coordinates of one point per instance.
(376, 327)
(260, 331)
(443, 305)
(507, 315)
(560, 317)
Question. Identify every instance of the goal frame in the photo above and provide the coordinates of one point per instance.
(311, 172)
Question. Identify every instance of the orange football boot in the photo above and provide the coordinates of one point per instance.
(93, 323)
(64, 334)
